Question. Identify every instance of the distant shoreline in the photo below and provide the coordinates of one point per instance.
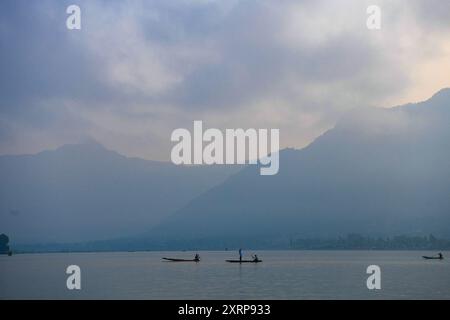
(217, 250)
(350, 242)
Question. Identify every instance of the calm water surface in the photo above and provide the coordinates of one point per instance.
(281, 275)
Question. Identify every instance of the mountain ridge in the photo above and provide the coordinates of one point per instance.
(85, 192)
(379, 172)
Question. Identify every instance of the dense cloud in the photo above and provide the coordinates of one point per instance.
(139, 69)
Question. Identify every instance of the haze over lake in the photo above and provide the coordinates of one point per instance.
(281, 275)
(156, 126)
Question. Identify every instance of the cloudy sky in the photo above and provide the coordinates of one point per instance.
(139, 69)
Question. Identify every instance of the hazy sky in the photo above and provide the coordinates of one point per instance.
(139, 69)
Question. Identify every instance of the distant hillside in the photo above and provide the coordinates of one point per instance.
(378, 172)
(86, 192)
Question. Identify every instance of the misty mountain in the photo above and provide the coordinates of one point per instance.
(86, 192)
(378, 172)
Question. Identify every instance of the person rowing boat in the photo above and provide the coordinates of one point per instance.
(254, 260)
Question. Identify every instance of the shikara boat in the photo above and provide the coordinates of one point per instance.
(244, 261)
(181, 260)
(432, 258)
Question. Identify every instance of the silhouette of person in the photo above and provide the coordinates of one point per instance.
(440, 255)
(240, 254)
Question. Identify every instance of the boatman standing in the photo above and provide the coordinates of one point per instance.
(240, 255)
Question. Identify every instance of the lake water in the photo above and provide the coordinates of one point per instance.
(281, 275)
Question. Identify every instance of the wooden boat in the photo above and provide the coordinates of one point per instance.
(432, 258)
(181, 260)
(244, 261)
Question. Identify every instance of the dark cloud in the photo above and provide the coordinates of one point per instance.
(140, 67)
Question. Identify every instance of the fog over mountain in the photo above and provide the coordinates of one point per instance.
(378, 172)
(86, 192)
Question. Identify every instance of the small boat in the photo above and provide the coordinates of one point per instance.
(181, 260)
(432, 258)
(244, 261)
